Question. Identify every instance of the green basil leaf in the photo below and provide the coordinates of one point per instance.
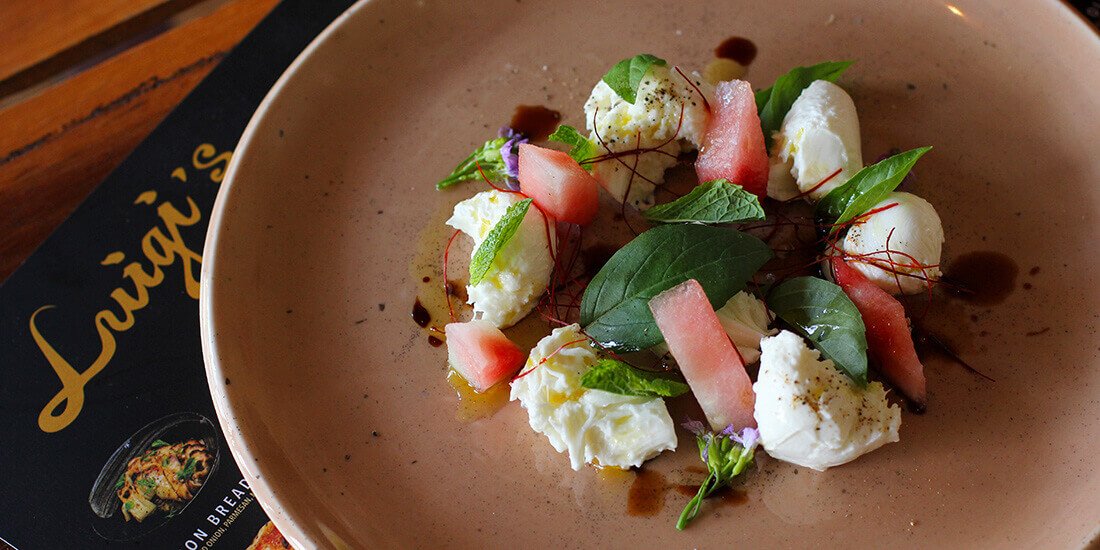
(615, 306)
(867, 188)
(821, 312)
(158, 443)
(626, 75)
(487, 156)
(774, 102)
(582, 149)
(121, 481)
(498, 236)
(617, 377)
(716, 201)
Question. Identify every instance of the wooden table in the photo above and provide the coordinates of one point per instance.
(82, 82)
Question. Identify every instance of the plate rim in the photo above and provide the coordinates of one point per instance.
(239, 444)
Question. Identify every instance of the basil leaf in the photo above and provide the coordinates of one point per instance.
(820, 311)
(121, 481)
(617, 377)
(626, 75)
(615, 306)
(774, 102)
(867, 188)
(582, 149)
(158, 443)
(487, 156)
(498, 236)
(716, 201)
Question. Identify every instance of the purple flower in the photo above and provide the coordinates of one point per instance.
(748, 438)
(509, 154)
(694, 426)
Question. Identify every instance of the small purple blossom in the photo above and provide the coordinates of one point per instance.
(694, 426)
(509, 152)
(748, 438)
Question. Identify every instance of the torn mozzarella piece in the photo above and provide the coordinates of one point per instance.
(667, 110)
(592, 426)
(819, 135)
(812, 415)
(522, 267)
(745, 319)
(915, 236)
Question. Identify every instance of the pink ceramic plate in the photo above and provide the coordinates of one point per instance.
(338, 409)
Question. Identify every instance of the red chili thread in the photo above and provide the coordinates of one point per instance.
(446, 257)
(706, 104)
(816, 186)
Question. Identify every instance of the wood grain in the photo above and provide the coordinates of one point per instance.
(58, 145)
(35, 31)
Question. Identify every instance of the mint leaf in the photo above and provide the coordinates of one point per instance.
(582, 149)
(716, 201)
(615, 376)
(487, 156)
(726, 455)
(867, 188)
(615, 306)
(158, 443)
(823, 313)
(498, 236)
(774, 102)
(626, 75)
(121, 481)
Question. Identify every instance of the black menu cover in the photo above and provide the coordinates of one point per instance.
(108, 436)
(104, 408)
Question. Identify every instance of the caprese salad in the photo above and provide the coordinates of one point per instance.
(692, 303)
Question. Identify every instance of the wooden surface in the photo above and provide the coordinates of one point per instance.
(58, 142)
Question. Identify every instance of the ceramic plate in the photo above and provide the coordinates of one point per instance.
(339, 412)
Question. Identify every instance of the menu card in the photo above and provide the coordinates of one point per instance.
(108, 436)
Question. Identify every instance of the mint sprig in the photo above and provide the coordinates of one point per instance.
(774, 102)
(716, 201)
(498, 236)
(726, 454)
(581, 149)
(626, 75)
(867, 188)
(615, 376)
(487, 156)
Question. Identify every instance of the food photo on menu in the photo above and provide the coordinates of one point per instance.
(388, 274)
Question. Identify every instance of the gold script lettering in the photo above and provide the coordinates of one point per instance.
(205, 156)
(161, 248)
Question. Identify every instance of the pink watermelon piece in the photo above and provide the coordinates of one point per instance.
(482, 354)
(889, 340)
(733, 144)
(557, 184)
(707, 358)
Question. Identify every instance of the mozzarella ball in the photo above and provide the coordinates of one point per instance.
(915, 236)
(819, 135)
(810, 414)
